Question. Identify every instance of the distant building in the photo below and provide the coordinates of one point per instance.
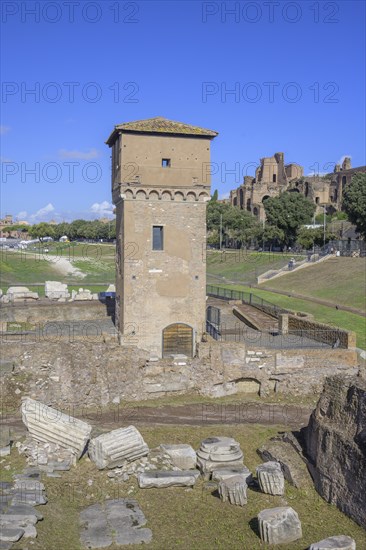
(273, 177)
(160, 193)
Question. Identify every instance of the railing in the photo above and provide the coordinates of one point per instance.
(246, 298)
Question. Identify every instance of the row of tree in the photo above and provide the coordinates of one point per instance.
(78, 229)
(286, 216)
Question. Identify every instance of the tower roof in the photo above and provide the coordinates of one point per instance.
(160, 125)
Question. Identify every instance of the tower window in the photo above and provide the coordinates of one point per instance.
(274, 178)
(165, 163)
(158, 243)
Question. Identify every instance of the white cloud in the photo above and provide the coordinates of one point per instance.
(88, 155)
(224, 196)
(4, 129)
(102, 209)
(43, 214)
(22, 215)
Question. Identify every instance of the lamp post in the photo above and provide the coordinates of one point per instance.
(324, 221)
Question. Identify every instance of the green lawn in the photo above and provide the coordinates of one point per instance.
(33, 265)
(323, 314)
(244, 266)
(339, 280)
(181, 518)
(20, 268)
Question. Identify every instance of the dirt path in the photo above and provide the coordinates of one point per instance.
(65, 267)
(198, 414)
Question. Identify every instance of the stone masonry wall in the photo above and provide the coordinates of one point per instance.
(87, 373)
(294, 324)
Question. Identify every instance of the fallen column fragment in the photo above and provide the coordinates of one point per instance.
(49, 425)
(181, 455)
(162, 479)
(341, 542)
(219, 452)
(234, 490)
(117, 447)
(271, 479)
(279, 525)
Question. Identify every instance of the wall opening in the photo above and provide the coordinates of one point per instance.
(178, 338)
(248, 385)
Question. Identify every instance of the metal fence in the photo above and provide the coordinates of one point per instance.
(246, 298)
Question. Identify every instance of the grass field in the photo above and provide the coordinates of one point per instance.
(244, 266)
(181, 518)
(339, 280)
(97, 261)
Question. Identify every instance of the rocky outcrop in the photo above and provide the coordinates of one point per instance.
(336, 445)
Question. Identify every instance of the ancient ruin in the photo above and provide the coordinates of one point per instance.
(273, 177)
(161, 233)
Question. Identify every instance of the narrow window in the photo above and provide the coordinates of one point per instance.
(274, 178)
(165, 163)
(157, 237)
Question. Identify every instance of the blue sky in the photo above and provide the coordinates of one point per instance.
(295, 71)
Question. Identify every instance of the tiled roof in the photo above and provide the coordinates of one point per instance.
(161, 125)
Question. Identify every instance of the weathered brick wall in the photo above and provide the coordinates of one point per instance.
(89, 372)
(53, 311)
(293, 324)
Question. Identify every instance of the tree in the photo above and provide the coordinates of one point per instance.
(288, 212)
(237, 225)
(354, 202)
(308, 237)
(41, 230)
(215, 196)
(270, 234)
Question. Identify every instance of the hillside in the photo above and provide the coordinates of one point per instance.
(339, 280)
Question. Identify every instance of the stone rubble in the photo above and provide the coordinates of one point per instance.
(162, 479)
(54, 290)
(115, 448)
(183, 456)
(83, 294)
(20, 293)
(219, 452)
(117, 521)
(340, 542)
(18, 516)
(270, 478)
(279, 525)
(49, 457)
(49, 425)
(4, 441)
(234, 490)
(243, 472)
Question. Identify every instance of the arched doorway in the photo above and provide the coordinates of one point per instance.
(178, 338)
